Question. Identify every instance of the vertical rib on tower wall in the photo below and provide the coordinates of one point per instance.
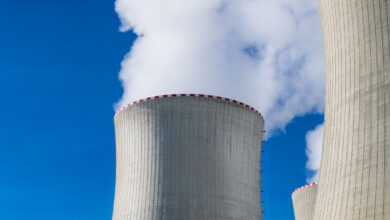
(188, 157)
(355, 166)
(304, 200)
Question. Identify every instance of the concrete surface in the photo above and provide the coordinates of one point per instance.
(188, 158)
(355, 167)
(304, 200)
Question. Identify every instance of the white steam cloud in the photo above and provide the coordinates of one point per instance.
(267, 53)
(313, 152)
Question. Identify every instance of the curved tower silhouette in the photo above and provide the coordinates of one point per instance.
(304, 200)
(189, 157)
(355, 166)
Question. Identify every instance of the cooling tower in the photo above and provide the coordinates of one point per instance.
(355, 165)
(304, 200)
(188, 157)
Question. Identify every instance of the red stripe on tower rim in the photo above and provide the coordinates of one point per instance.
(305, 186)
(192, 95)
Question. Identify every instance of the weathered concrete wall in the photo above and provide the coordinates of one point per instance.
(304, 200)
(188, 157)
(355, 166)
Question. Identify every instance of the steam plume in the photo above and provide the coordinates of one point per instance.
(267, 53)
(313, 152)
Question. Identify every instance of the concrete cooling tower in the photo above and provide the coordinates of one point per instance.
(355, 167)
(188, 157)
(304, 200)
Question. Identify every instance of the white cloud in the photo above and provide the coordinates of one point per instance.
(267, 53)
(313, 152)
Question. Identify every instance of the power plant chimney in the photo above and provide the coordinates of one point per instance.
(304, 200)
(188, 156)
(355, 166)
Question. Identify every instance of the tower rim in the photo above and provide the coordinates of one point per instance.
(174, 95)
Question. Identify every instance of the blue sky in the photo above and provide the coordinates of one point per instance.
(59, 65)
